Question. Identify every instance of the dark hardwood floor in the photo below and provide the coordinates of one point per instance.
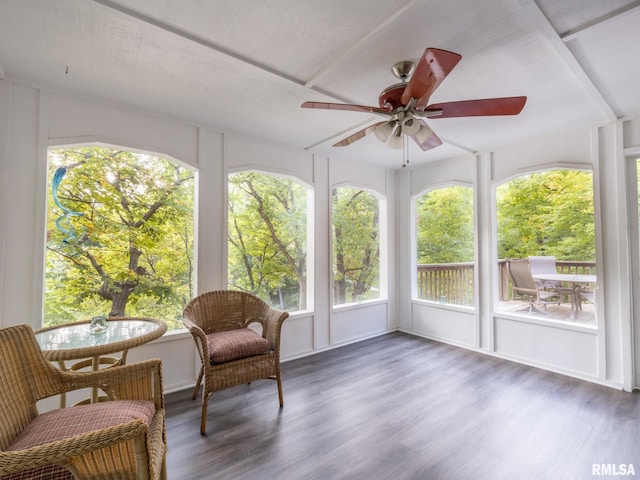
(401, 407)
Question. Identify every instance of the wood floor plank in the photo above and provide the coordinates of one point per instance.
(399, 407)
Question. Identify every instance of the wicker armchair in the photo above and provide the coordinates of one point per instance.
(230, 353)
(121, 438)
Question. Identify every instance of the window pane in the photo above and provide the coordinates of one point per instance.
(119, 236)
(268, 238)
(356, 245)
(548, 214)
(445, 246)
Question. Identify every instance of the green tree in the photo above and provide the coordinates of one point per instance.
(547, 213)
(129, 249)
(356, 245)
(267, 230)
(444, 226)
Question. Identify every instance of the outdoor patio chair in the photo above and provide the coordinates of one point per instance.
(540, 264)
(525, 286)
(588, 295)
(122, 437)
(230, 352)
(544, 264)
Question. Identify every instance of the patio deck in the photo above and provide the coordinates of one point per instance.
(452, 283)
(562, 312)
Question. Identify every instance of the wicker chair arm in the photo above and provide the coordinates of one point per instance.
(65, 449)
(272, 325)
(200, 338)
(135, 381)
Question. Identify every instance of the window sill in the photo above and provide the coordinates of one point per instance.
(356, 305)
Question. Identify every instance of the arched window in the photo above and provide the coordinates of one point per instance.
(445, 245)
(356, 220)
(267, 238)
(119, 235)
(548, 214)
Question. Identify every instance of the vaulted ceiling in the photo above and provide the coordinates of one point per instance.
(245, 66)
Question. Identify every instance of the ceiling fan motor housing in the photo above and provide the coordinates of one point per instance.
(390, 96)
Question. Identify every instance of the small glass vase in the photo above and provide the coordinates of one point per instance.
(98, 325)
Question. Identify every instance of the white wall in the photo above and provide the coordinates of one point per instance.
(31, 119)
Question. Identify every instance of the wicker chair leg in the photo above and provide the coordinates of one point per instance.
(163, 471)
(280, 396)
(203, 420)
(198, 382)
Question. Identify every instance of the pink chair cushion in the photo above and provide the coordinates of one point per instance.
(69, 422)
(235, 344)
(72, 421)
(47, 472)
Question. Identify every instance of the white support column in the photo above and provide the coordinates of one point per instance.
(486, 273)
(613, 256)
(405, 274)
(322, 243)
(211, 220)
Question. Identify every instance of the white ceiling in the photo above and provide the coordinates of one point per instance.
(245, 66)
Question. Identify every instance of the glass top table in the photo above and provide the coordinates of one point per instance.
(74, 341)
(576, 280)
(567, 277)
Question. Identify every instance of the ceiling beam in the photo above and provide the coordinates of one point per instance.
(341, 57)
(573, 33)
(533, 12)
(179, 32)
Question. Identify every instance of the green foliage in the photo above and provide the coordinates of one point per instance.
(444, 226)
(547, 213)
(267, 240)
(133, 250)
(356, 245)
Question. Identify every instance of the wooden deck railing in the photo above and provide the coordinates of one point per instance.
(453, 282)
(446, 283)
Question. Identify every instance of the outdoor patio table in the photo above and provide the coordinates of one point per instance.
(74, 341)
(576, 280)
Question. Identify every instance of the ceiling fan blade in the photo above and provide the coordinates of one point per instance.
(346, 106)
(479, 108)
(431, 140)
(358, 135)
(432, 69)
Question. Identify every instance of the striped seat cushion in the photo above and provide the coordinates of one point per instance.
(47, 472)
(236, 344)
(69, 422)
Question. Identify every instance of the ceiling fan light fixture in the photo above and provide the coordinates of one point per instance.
(410, 126)
(384, 131)
(423, 133)
(396, 141)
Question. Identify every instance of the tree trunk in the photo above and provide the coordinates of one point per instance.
(120, 299)
(122, 290)
(339, 283)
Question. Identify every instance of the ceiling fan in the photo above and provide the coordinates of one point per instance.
(405, 104)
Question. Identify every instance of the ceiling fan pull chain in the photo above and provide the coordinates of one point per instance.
(405, 151)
